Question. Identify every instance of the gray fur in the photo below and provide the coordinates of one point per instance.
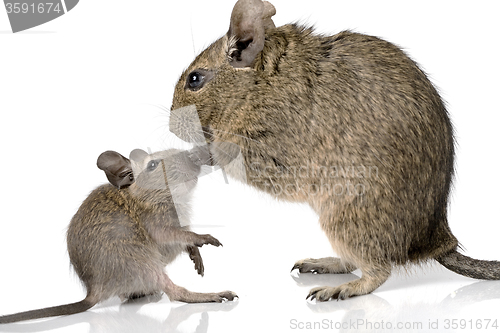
(328, 104)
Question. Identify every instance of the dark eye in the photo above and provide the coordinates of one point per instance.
(152, 165)
(195, 80)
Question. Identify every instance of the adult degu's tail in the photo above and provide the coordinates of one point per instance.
(59, 310)
(474, 268)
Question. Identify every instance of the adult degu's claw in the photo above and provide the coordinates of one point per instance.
(311, 296)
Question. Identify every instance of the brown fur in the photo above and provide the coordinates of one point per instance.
(322, 104)
(120, 240)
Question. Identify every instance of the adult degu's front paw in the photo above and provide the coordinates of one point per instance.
(328, 265)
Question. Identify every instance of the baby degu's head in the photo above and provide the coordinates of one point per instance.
(158, 177)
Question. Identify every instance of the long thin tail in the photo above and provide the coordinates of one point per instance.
(60, 310)
(474, 268)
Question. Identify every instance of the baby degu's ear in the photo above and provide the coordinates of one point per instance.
(138, 159)
(117, 168)
(246, 35)
(138, 155)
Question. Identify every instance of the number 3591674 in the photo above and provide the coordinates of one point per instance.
(39, 8)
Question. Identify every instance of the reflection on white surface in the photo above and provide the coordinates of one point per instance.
(127, 318)
(271, 301)
(374, 313)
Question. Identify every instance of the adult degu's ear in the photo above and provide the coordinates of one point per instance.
(246, 35)
(117, 168)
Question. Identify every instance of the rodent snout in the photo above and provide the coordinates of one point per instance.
(185, 124)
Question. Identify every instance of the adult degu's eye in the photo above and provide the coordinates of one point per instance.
(195, 80)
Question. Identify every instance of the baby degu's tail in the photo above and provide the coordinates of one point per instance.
(59, 310)
(474, 268)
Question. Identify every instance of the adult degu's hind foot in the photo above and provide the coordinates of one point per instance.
(329, 265)
(372, 278)
(339, 293)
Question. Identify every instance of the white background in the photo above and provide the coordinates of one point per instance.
(92, 80)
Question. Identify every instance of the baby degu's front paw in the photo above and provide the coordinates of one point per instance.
(207, 239)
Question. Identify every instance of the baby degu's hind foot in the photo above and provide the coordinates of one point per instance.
(329, 265)
(183, 295)
(177, 293)
(372, 278)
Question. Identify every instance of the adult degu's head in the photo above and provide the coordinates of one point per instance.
(218, 80)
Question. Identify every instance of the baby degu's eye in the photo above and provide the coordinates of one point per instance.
(195, 80)
(152, 165)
